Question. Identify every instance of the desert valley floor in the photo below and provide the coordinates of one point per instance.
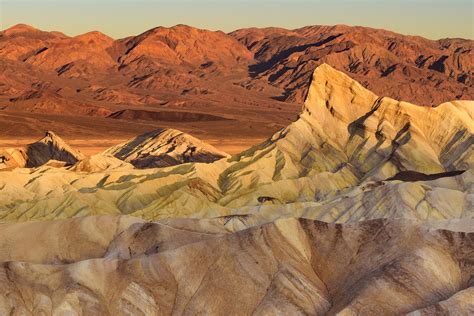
(264, 171)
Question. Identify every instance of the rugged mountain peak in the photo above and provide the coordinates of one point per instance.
(367, 127)
(165, 147)
(332, 90)
(51, 147)
(51, 137)
(347, 135)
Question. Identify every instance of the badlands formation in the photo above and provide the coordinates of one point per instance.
(334, 163)
(363, 205)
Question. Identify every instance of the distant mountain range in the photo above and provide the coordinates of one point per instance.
(236, 75)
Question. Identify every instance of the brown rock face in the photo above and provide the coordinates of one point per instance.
(410, 68)
(256, 77)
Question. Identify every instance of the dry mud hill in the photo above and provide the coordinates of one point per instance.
(120, 265)
(339, 161)
(409, 68)
(50, 148)
(163, 148)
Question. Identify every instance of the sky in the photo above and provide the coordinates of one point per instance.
(433, 19)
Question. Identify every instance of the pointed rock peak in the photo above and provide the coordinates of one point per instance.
(50, 147)
(60, 143)
(52, 137)
(50, 134)
(166, 133)
(334, 91)
(56, 143)
(325, 73)
(165, 147)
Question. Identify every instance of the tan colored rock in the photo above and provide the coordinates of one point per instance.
(49, 148)
(291, 266)
(165, 147)
(98, 163)
(461, 303)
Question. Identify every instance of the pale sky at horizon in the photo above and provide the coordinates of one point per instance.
(120, 18)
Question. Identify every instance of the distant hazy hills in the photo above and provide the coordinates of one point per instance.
(98, 70)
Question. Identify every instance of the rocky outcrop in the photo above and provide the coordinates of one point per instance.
(346, 135)
(49, 148)
(165, 147)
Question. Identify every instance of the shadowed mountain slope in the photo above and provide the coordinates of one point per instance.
(409, 68)
(50, 147)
